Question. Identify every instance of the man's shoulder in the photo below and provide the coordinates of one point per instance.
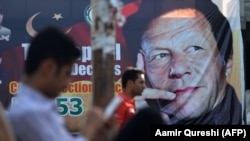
(17, 111)
(125, 96)
(25, 109)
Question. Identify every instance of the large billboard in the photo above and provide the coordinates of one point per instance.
(195, 65)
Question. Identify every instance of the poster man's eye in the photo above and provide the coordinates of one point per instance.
(193, 49)
(160, 56)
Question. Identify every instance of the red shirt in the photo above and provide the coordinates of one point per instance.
(126, 110)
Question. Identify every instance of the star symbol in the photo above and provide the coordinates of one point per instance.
(57, 16)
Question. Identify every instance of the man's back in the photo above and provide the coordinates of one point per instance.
(126, 110)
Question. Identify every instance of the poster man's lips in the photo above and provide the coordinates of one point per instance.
(185, 90)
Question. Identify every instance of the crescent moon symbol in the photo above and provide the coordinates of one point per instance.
(31, 31)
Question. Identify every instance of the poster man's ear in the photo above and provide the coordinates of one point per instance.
(229, 65)
(140, 61)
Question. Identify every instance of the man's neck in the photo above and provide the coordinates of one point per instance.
(128, 93)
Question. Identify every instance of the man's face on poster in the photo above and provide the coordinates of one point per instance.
(181, 56)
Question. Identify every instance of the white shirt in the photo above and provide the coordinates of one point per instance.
(34, 117)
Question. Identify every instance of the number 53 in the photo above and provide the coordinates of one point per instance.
(70, 105)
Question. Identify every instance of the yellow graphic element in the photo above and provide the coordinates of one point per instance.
(13, 86)
(85, 87)
(79, 87)
(118, 86)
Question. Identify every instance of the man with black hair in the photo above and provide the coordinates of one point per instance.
(185, 48)
(133, 83)
(47, 71)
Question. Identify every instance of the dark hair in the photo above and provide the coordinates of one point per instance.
(51, 42)
(150, 9)
(130, 74)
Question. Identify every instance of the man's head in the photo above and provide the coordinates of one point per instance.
(49, 60)
(133, 81)
(186, 48)
(149, 10)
